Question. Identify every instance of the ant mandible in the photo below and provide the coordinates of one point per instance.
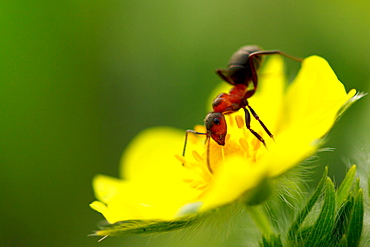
(242, 74)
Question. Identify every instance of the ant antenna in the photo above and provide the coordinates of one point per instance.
(208, 140)
(186, 140)
(208, 148)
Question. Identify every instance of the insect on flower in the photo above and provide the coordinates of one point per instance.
(242, 74)
(153, 195)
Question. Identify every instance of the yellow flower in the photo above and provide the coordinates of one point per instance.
(155, 189)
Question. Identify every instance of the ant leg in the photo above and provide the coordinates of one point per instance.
(272, 52)
(208, 147)
(254, 77)
(254, 71)
(260, 121)
(221, 73)
(248, 124)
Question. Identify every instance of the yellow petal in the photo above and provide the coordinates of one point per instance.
(233, 179)
(314, 98)
(146, 201)
(153, 187)
(99, 206)
(150, 157)
(106, 187)
(311, 108)
(290, 149)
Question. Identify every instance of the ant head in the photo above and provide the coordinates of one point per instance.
(216, 127)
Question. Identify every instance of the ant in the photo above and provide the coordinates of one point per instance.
(242, 74)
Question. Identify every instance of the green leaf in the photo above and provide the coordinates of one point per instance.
(272, 241)
(356, 223)
(346, 186)
(356, 187)
(321, 232)
(303, 235)
(341, 221)
(349, 103)
(292, 233)
(265, 242)
(343, 242)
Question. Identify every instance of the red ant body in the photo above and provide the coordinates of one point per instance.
(242, 74)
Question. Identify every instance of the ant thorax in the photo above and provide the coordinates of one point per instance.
(232, 102)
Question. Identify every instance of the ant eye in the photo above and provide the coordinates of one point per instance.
(216, 121)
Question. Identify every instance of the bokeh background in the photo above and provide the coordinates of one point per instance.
(79, 79)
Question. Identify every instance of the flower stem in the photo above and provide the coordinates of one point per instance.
(260, 219)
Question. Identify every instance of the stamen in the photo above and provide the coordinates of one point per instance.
(230, 120)
(244, 145)
(255, 156)
(194, 184)
(227, 137)
(187, 180)
(239, 121)
(180, 158)
(256, 144)
(196, 156)
(223, 155)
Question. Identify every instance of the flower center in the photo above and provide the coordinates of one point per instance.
(199, 169)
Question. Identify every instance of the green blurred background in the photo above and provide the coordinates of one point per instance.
(79, 79)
